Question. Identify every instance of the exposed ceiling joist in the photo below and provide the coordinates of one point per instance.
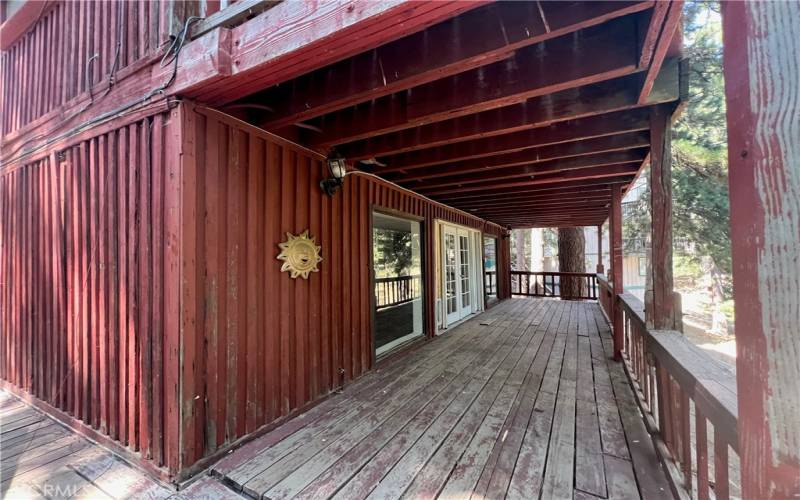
(619, 122)
(566, 153)
(442, 50)
(588, 56)
(584, 101)
(535, 189)
(593, 173)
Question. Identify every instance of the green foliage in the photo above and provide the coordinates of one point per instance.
(700, 201)
(699, 155)
(393, 254)
(686, 266)
(703, 120)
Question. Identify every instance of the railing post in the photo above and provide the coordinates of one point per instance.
(660, 312)
(600, 268)
(763, 114)
(616, 267)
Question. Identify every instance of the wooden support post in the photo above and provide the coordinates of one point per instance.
(600, 268)
(763, 115)
(660, 307)
(615, 221)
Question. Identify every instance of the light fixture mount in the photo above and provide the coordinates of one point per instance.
(337, 170)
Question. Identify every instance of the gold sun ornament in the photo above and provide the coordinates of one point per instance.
(300, 255)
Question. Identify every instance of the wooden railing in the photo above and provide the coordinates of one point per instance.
(605, 296)
(490, 282)
(396, 290)
(549, 284)
(680, 390)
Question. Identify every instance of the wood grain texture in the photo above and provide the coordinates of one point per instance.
(504, 417)
(763, 112)
(243, 180)
(79, 331)
(660, 310)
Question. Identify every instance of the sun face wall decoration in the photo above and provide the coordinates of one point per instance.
(300, 255)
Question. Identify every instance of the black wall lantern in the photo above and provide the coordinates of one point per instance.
(337, 169)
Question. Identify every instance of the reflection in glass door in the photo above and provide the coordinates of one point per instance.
(459, 271)
(451, 284)
(490, 268)
(464, 263)
(397, 258)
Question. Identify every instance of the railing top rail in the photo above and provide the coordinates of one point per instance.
(710, 383)
(395, 278)
(552, 273)
(634, 307)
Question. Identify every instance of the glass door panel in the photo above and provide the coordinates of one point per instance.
(398, 283)
(451, 282)
(464, 264)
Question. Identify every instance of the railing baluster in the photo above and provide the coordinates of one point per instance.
(663, 404)
(702, 453)
(660, 366)
(721, 487)
(686, 441)
(677, 435)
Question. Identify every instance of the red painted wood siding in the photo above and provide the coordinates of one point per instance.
(82, 268)
(140, 294)
(48, 66)
(259, 345)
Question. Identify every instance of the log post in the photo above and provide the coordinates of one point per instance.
(615, 222)
(763, 114)
(660, 306)
(600, 269)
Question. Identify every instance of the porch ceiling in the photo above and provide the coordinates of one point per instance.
(523, 113)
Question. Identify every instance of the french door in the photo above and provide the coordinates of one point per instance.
(458, 273)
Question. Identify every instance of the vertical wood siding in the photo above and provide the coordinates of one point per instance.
(54, 61)
(141, 295)
(83, 283)
(259, 345)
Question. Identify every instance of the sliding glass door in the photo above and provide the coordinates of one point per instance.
(398, 283)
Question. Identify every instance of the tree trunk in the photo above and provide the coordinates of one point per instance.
(571, 259)
(519, 246)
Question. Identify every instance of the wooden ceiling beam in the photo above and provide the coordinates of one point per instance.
(544, 154)
(654, 24)
(550, 174)
(488, 214)
(295, 38)
(543, 205)
(609, 124)
(528, 176)
(586, 223)
(553, 193)
(567, 214)
(587, 56)
(536, 189)
(501, 202)
(566, 222)
(580, 102)
(443, 50)
(669, 26)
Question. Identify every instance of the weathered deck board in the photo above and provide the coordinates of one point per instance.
(520, 402)
(44, 459)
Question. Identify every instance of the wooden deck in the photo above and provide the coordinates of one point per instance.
(42, 459)
(519, 402)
